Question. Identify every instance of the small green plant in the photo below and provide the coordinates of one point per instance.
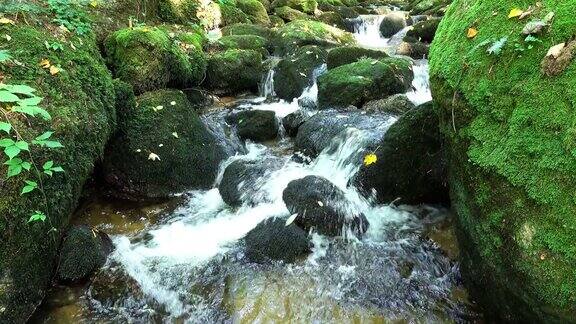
(497, 46)
(4, 56)
(19, 99)
(71, 14)
(55, 46)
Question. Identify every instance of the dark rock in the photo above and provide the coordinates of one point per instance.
(295, 72)
(423, 31)
(322, 206)
(234, 70)
(411, 164)
(242, 180)
(257, 125)
(392, 24)
(415, 50)
(273, 240)
(396, 104)
(332, 19)
(83, 251)
(343, 11)
(350, 54)
(292, 122)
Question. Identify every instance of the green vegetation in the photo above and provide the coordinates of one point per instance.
(249, 42)
(305, 32)
(350, 54)
(234, 70)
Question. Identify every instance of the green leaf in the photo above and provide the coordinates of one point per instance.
(5, 142)
(28, 188)
(33, 111)
(48, 165)
(7, 96)
(23, 145)
(6, 127)
(14, 161)
(26, 166)
(12, 151)
(57, 169)
(21, 89)
(14, 170)
(52, 144)
(30, 101)
(48, 172)
(37, 216)
(44, 136)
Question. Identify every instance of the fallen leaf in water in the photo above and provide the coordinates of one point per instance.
(291, 219)
(5, 21)
(556, 50)
(515, 13)
(54, 70)
(472, 32)
(303, 74)
(153, 157)
(370, 159)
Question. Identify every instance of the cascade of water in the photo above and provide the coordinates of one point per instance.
(421, 92)
(367, 31)
(267, 85)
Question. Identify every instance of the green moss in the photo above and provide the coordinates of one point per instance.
(255, 11)
(423, 31)
(513, 126)
(233, 15)
(234, 70)
(350, 54)
(80, 99)
(248, 29)
(125, 101)
(295, 72)
(288, 14)
(164, 124)
(333, 19)
(304, 32)
(251, 42)
(305, 6)
(83, 251)
(362, 81)
(276, 21)
(187, 12)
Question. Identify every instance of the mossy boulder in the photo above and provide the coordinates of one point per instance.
(248, 29)
(276, 21)
(289, 14)
(397, 104)
(392, 23)
(163, 149)
(305, 6)
(148, 59)
(80, 99)
(206, 13)
(509, 130)
(333, 19)
(350, 54)
(296, 72)
(423, 31)
(255, 10)
(428, 7)
(234, 71)
(413, 146)
(304, 32)
(345, 12)
(232, 15)
(246, 42)
(367, 79)
(83, 251)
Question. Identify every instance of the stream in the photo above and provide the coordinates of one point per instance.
(183, 261)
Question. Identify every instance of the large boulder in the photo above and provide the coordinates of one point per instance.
(410, 162)
(255, 10)
(234, 70)
(392, 23)
(243, 179)
(509, 130)
(305, 6)
(187, 11)
(149, 60)
(248, 29)
(397, 104)
(293, 121)
(333, 19)
(306, 32)
(362, 81)
(83, 251)
(289, 14)
(244, 42)
(350, 54)
(80, 100)
(415, 50)
(322, 207)
(163, 149)
(256, 125)
(273, 240)
(423, 31)
(427, 7)
(295, 72)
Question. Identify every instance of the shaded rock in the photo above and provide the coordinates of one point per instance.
(322, 206)
(350, 54)
(248, 29)
(244, 42)
(276, 21)
(343, 11)
(333, 19)
(396, 104)
(305, 6)
(295, 72)
(256, 125)
(242, 180)
(362, 81)
(416, 50)
(292, 122)
(255, 11)
(289, 14)
(423, 31)
(306, 32)
(392, 24)
(273, 240)
(411, 162)
(83, 251)
(234, 71)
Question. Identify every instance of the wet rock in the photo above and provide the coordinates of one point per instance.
(350, 54)
(163, 148)
(396, 104)
(415, 50)
(234, 70)
(392, 23)
(333, 19)
(410, 162)
(343, 11)
(242, 180)
(322, 206)
(83, 251)
(245, 42)
(305, 6)
(256, 125)
(289, 14)
(295, 72)
(273, 240)
(423, 31)
(292, 122)
(306, 32)
(362, 81)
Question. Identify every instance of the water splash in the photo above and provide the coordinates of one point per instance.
(421, 92)
(367, 31)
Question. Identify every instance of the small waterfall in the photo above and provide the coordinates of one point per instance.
(421, 92)
(367, 31)
(267, 85)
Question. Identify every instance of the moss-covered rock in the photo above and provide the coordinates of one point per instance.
(289, 14)
(362, 81)
(206, 13)
(163, 149)
(350, 54)
(397, 104)
(305, 6)
(234, 70)
(255, 10)
(345, 12)
(148, 59)
(304, 32)
(248, 29)
(428, 7)
(80, 99)
(246, 42)
(509, 131)
(295, 72)
(423, 31)
(276, 21)
(83, 251)
(416, 50)
(333, 19)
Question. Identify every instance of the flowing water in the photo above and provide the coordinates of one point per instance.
(186, 264)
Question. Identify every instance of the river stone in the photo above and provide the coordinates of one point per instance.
(510, 141)
(350, 54)
(234, 70)
(322, 206)
(292, 122)
(423, 31)
(82, 252)
(306, 32)
(410, 162)
(256, 125)
(242, 180)
(397, 104)
(295, 72)
(345, 12)
(415, 50)
(273, 240)
(305, 6)
(288, 14)
(392, 23)
(333, 19)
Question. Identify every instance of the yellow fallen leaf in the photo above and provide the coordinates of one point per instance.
(45, 63)
(556, 50)
(370, 159)
(472, 32)
(5, 21)
(54, 70)
(515, 13)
